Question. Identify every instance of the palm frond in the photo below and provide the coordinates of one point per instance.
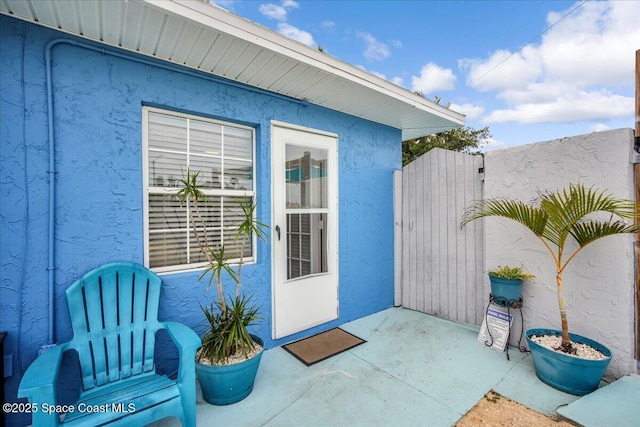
(577, 201)
(535, 219)
(587, 232)
(568, 208)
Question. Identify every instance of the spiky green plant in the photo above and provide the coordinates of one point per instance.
(564, 215)
(227, 321)
(507, 272)
(227, 333)
(248, 227)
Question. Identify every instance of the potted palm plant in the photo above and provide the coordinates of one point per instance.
(228, 361)
(506, 284)
(561, 217)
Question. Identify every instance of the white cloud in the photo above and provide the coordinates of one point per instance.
(374, 50)
(595, 46)
(500, 71)
(296, 34)
(582, 69)
(278, 12)
(273, 11)
(328, 25)
(433, 78)
(568, 107)
(471, 111)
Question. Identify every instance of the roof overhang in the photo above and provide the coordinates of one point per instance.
(202, 36)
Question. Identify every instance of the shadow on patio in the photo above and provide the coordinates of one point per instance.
(414, 370)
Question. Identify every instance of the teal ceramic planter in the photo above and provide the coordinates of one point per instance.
(227, 384)
(507, 289)
(567, 373)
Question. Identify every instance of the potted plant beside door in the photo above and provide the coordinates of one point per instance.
(228, 361)
(566, 215)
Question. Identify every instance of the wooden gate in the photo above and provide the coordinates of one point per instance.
(443, 268)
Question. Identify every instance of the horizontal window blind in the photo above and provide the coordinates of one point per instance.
(222, 156)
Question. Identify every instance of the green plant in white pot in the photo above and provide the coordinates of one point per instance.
(506, 284)
(563, 216)
(228, 360)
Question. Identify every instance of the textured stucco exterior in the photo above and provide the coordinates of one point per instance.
(599, 282)
(98, 101)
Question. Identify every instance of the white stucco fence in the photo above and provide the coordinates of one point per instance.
(599, 282)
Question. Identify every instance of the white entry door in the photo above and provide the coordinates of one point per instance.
(304, 235)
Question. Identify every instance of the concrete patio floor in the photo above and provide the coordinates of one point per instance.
(414, 370)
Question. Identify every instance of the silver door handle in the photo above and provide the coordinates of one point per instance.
(278, 231)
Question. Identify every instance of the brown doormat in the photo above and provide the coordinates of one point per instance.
(322, 346)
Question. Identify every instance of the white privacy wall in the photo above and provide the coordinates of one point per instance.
(599, 282)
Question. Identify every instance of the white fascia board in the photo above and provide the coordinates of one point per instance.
(214, 17)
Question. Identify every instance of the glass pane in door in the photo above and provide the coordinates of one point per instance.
(306, 176)
(306, 183)
(306, 244)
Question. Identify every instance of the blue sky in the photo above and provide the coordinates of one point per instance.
(530, 70)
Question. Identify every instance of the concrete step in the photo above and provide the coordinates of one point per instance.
(616, 404)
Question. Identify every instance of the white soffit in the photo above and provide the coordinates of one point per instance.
(198, 35)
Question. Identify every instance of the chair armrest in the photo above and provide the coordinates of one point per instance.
(40, 378)
(184, 337)
(188, 343)
(38, 384)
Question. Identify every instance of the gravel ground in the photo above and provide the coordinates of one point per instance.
(495, 410)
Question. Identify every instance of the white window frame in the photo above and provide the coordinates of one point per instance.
(147, 189)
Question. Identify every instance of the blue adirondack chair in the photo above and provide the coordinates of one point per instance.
(114, 314)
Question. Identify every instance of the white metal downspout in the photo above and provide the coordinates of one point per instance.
(397, 238)
(52, 194)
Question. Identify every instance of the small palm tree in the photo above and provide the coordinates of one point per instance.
(564, 214)
(227, 320)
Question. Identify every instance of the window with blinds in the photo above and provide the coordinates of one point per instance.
(222, 154)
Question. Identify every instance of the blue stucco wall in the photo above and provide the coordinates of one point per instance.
(98, 102)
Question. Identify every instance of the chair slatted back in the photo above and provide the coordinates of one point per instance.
(114, 315)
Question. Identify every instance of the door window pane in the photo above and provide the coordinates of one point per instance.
(306, 244)
(306, 176)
